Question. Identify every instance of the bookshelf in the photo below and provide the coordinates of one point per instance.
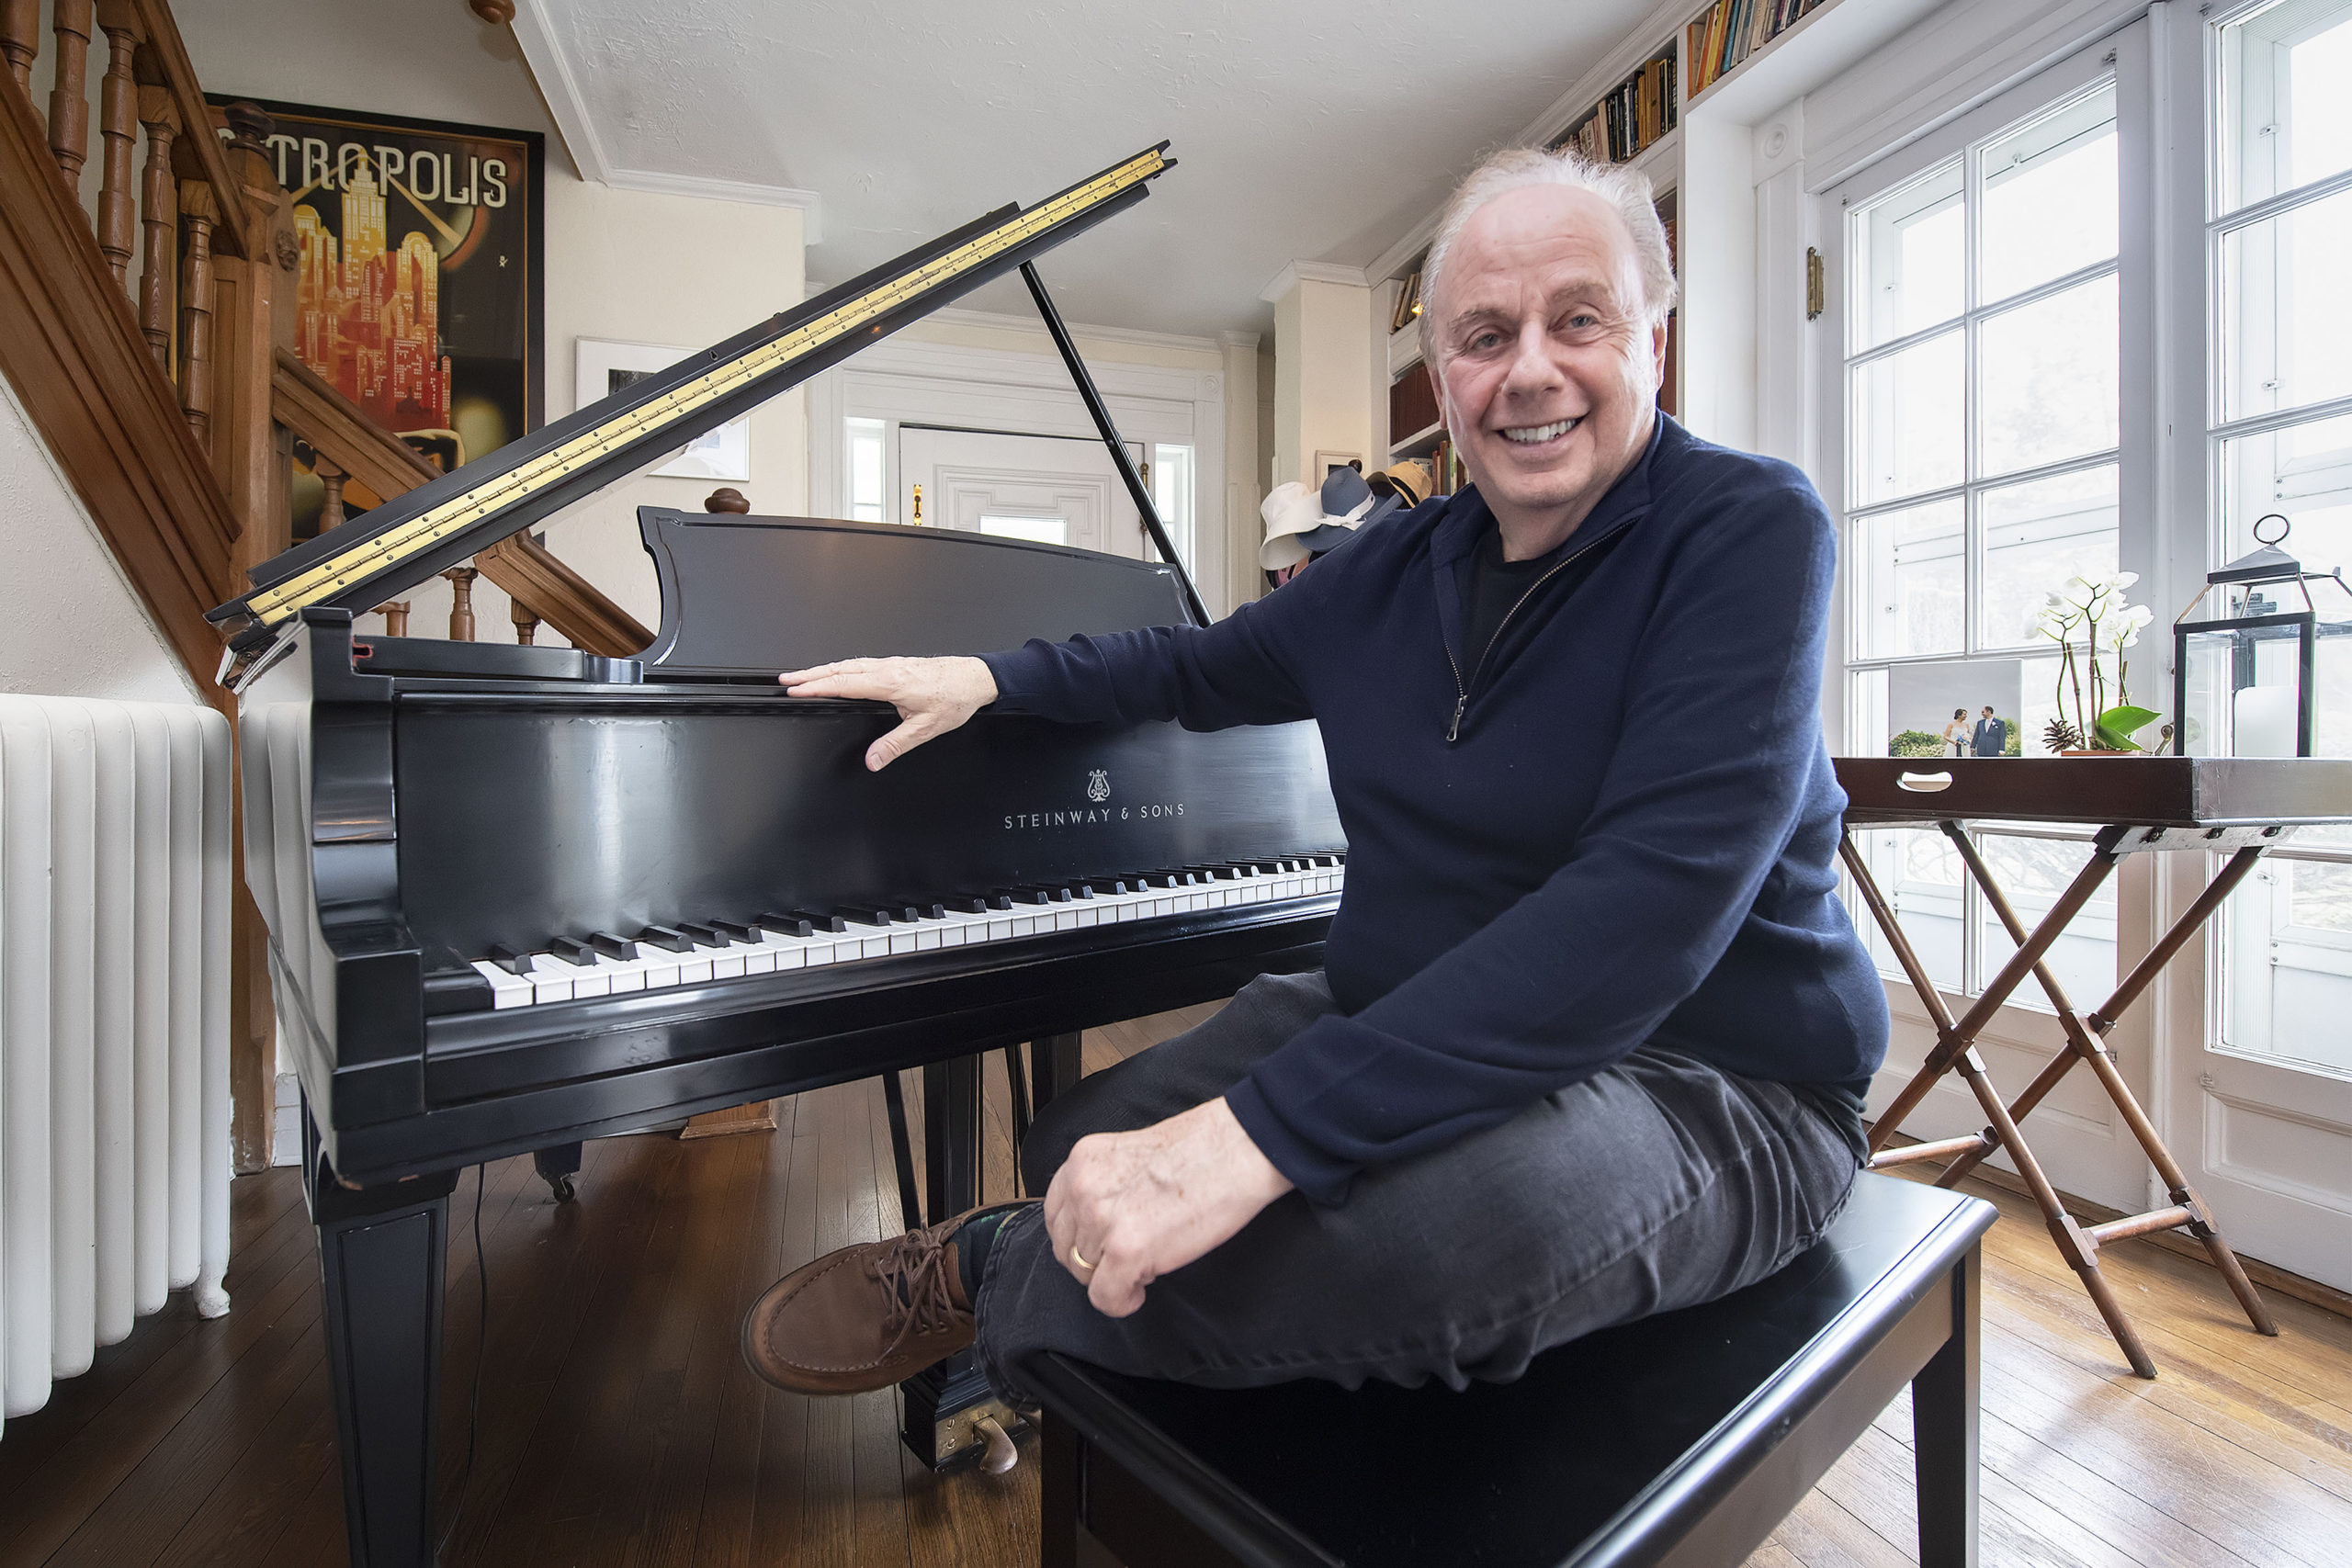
(1704, 163)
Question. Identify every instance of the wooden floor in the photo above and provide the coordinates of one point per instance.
(619, 1426)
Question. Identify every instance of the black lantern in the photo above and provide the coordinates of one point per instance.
(2243, 679)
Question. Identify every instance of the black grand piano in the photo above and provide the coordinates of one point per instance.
(521, 897)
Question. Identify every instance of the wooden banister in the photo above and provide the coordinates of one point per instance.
(69, 102)
(118, 130)
(162, 61)
(343, 435)
(562, 598)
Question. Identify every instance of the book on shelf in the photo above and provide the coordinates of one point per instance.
(1629, 117)
(1728, 31)
(1409, 302)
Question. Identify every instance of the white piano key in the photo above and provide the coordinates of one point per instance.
(586, 980)
(625, 973)
(726, 962)
(505, 991)
(662, 967)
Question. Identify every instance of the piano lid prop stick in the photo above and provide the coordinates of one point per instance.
(1102, 414)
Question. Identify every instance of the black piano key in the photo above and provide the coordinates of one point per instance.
(704, 935)
(738, 930)
(613, 946)
(927, 907)
(866, 914)
(1016, 897)
(666, 938)
(574, 951)
(784, 925)
(514, 962)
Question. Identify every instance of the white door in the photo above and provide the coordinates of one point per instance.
(1993, 444)
(1051, 489)
(2261, 1102)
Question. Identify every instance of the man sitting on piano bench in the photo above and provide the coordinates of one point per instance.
(1594, 1028)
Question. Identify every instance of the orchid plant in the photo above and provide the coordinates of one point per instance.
(2092, 624)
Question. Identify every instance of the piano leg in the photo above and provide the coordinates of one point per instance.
(943, 1403)
(557, 1167)
(380, 1253)
(1054, 1066)
(951, 1130)
(902, 1159)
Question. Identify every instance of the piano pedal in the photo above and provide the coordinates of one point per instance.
(954, 1418)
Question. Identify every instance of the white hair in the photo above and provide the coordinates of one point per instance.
(1515, 167)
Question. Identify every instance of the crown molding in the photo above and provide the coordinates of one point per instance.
(1296, 273)
(569, 109)
(1233, 337)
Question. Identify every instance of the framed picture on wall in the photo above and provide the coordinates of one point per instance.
(1326, 461)
(605, 368)
(420, 265)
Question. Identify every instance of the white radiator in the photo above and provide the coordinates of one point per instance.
(114, 1026)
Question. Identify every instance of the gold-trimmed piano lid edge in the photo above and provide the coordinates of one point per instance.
(273, 605)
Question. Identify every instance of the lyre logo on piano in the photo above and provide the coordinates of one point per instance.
(1098, 790)
(1098, 786)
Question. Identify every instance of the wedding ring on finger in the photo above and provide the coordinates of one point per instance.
(1079, 1258)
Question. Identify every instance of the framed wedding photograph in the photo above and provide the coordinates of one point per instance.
(604, 366)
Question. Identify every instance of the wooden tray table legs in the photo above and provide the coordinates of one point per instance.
(1955, 1052)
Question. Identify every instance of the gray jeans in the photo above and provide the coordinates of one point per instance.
(1660, 1183)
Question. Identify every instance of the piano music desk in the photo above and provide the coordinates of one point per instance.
(2144, 804)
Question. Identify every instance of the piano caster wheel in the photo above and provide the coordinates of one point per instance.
(563, 1189)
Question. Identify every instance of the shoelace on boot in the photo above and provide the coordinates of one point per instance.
(913, 1275)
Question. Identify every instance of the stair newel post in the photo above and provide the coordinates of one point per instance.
(20, 39)
(69, 105)
(118, 131)
(462, 602)
(159, 217)
(199, 209)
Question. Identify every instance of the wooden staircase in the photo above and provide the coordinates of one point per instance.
(148, 335)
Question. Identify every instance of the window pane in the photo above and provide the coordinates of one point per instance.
(2050, 197)
(2285, 118)
(2286, 947)
(1909, 571)
(1171, 496)
(2047, 383)
(2304, 472)
(1908, 251)
(2037, 535)
(1906, 421)
(2286, 313)
(864, 470)
(2032, 873)
(1919, 874)
(1042, 530)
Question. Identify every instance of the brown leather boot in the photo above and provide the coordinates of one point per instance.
(863, 1317)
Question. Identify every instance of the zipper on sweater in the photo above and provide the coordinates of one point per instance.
(1462, 687)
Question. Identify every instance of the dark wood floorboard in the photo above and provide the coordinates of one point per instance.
(619, 1427)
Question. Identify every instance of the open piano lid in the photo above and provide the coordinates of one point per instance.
(394, 547)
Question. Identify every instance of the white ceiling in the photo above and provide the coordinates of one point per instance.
(1305, 129)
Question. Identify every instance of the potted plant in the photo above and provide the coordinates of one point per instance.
(2092, 624)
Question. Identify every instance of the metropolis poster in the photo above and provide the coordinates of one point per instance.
(417, 292)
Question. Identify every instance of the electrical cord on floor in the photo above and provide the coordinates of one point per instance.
(481, 1348)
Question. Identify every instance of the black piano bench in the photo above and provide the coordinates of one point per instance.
(1683, 1439)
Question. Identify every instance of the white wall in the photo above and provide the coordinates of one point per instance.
(70, 624)
(1324, 355)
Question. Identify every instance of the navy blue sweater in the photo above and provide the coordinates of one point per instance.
(1627, 833)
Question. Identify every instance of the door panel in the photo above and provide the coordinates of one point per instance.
(1050, 488)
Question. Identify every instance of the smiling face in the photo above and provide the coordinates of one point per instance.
(1547, 365)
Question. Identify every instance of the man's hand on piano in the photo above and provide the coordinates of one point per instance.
(933, 695)
(1136, 1205)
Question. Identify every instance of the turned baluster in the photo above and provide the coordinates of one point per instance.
(119, 128)
(331, 509)
(20, 39)
(395, 618)
(462, 602)
(197, 209)
(69, 107)
(158, 216)
(527, 625)
(726, 498)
